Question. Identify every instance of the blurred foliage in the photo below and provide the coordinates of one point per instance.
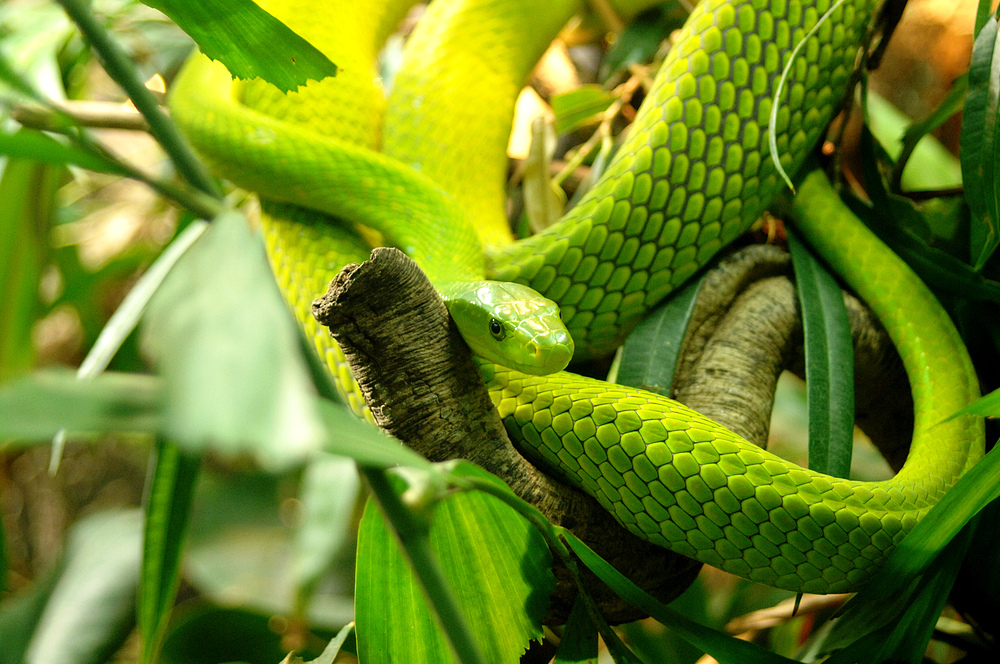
(265, 515)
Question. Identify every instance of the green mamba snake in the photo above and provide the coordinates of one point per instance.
(693, 174)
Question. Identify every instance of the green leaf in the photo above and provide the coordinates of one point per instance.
(986, 406)
(650, 353)
(92, 607)
(978, 144)
(724, 648)
(212, 634)
(495, 562)
(19, 617)
(897, 628)
(348, 436)
(332, 649)
(641, 39)
(578, 107)
(829, 363)
(329, 491)
(37, 406)
(942, 272)
(579, 641)
(39, 146)
(228, 350)
(935, 165)
(248, 41)
(126, 317)
(4, 562)
(168, 513)
(973, 491)
(27, 204)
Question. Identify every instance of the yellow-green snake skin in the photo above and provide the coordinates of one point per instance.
(693, 174)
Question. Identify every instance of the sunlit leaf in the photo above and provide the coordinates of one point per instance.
(92, 607)
(39, 146)
(34, 408)
(27, 204)
(228, 350)
(496, 565)
(579, 107)
(249, 41)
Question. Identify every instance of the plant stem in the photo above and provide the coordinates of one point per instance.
(413, 537)
(118, 65)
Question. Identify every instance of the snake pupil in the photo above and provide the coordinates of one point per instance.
(496, 329)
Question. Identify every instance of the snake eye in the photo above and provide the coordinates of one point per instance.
(496, 329)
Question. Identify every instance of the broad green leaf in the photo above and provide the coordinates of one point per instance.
(248, 41)
(650, 353)
(27, 204)
(495, 562)
(724, 648)
(578, 107)
(579, 640)
(92, 607)
(168, 512)
(978, 144)
(328, 493)
(39, 146)
(227, 347)
(829, 363)
(35, 407)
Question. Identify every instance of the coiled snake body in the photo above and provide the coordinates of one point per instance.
(693, 174)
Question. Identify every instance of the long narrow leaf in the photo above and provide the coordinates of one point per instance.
(986, 406)
(34, 408)
(579, 640)
(722, 647)
(27, 204)
(650, 353)
(38, 146)
(980, 133)
(91, 609)
(167, 516)
(249, 41)
(829, 363)
(924, 543)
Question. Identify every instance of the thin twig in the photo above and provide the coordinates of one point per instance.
(118, 65)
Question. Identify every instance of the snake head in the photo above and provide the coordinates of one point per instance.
(510, 324)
